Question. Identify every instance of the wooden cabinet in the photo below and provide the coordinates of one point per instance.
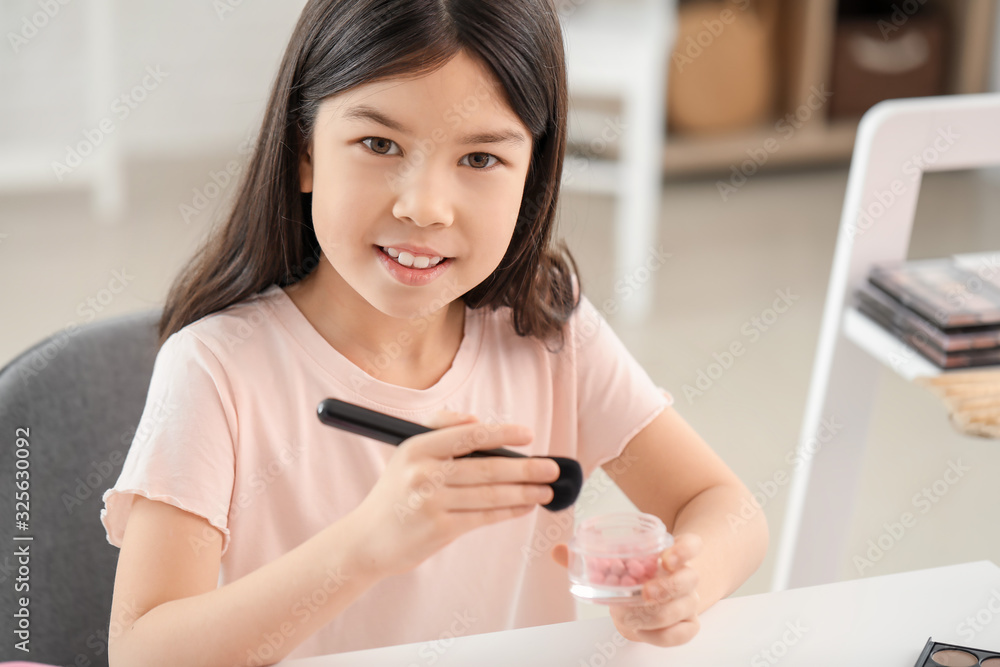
(804, 55)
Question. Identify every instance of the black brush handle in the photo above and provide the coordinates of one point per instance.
(385, 428)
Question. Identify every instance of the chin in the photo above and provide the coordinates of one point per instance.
(399, 301)
(403, 307)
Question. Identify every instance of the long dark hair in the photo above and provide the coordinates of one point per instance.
(338, 44)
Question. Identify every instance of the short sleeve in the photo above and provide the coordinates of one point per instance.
(616, 397)
(183, 452)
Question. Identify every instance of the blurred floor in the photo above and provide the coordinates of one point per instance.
(727, 259)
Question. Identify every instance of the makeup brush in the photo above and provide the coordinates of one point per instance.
(972, 399)
(362, 421)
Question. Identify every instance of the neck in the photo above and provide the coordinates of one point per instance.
(412, 352)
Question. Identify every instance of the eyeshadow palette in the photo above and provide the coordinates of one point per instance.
(940, 654)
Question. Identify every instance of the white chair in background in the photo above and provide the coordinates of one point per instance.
(618, 49)
(897, 141)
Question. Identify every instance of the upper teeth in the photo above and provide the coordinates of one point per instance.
(408, 260)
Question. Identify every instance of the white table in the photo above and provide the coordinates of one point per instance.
(882, 621)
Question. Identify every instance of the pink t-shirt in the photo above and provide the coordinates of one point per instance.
(230, 433)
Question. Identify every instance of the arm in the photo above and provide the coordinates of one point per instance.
(681, 480)
(167, 610)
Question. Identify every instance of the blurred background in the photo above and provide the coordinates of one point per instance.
(126, 125)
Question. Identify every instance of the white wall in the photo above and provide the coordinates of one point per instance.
(219, 57)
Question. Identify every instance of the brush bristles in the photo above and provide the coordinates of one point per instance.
(972, 399)
(566, 489)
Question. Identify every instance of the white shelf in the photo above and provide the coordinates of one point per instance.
(879, 343)
(822, 494)
(894, 353)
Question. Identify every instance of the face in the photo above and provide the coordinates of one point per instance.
(426, 172)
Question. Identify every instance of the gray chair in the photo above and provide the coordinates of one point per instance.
(81, 396)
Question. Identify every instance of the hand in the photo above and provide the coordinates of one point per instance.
(668, 615)
(426, 498)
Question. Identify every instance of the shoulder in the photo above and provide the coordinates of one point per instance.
(581, 329)
(237, 330)
(584, 325)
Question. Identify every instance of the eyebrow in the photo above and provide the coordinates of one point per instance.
(365, 112)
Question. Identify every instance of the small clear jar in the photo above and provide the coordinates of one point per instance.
(612, 555)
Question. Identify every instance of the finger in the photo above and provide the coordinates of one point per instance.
(463, 522)
(498, 470)
(658, 616)
(491, 496)
(675, 635)
(460, 439)
(670, 585)
(443, 418)
(560, 554)
(686, 546)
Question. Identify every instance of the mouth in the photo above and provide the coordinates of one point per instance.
(409, 268)
(412, 260)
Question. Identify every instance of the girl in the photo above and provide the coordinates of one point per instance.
(390, 246)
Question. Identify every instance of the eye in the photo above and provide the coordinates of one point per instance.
(382, 145)
(481, 161)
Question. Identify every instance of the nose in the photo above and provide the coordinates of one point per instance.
(424, 196)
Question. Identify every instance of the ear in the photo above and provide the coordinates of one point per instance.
(306, 170)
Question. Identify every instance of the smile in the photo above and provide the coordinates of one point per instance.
(411, 261)
(410, 269)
